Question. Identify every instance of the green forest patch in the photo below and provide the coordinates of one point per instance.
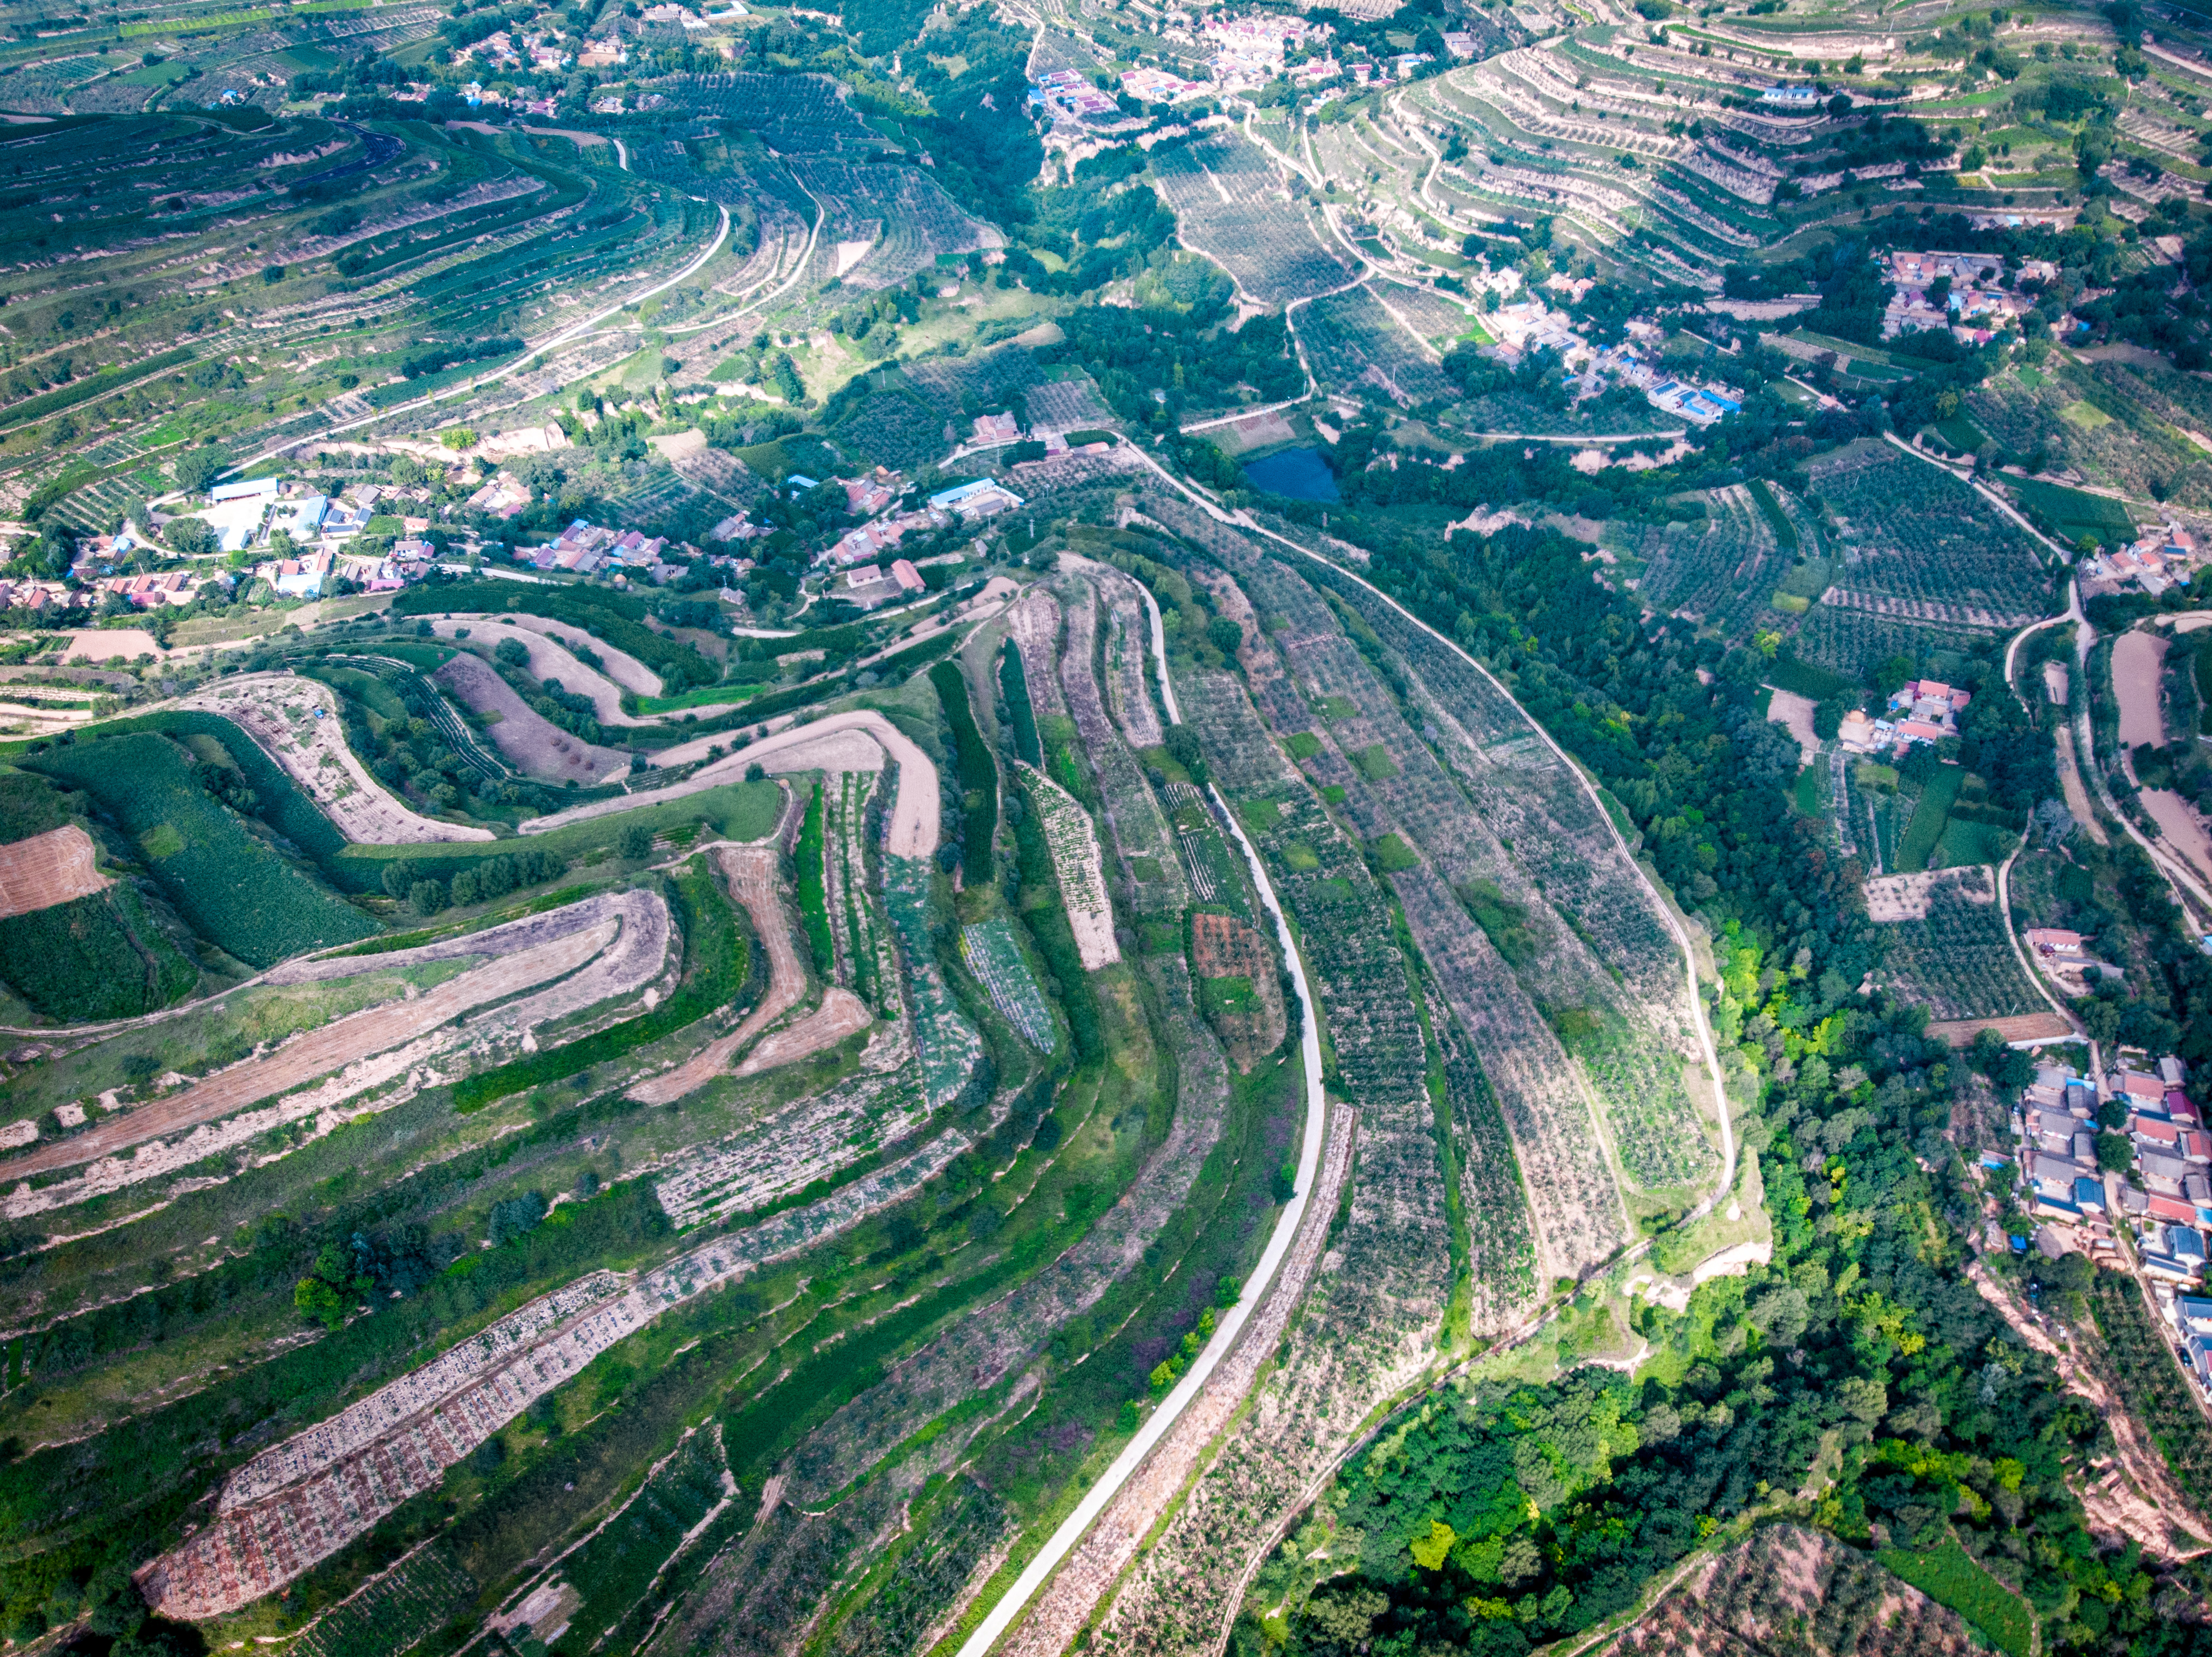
(1949, 1576)
(232, 887)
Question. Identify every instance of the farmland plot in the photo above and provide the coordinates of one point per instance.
(790, 1148)
(989, 949)
(1631, 1049)
(1722, 575)
(1134, 822)
(1954, 959)
(1129, 636)
(1230, 206)
(1377, 1299)
(1548, 1104)
(1355, 347)
(1075, 860)
(947, 1043)
(1919, 549)
(851, 1480)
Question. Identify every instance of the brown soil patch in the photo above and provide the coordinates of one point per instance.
(2137, 658)
(751, 872)
(2024, 1026)
(840, 1014)
(47, 869)
(530, 741)
(551, 662)
(1223, 947)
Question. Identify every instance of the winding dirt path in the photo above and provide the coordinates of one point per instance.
(913, 815)
(751, 873)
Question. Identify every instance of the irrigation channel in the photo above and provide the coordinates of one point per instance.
(1062, 1542)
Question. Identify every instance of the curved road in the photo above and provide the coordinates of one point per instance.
(1095, 1500)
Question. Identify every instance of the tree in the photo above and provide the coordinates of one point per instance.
(513, 652)
(198, 469)
(2115, 1153)
(458, 438)
(636, 842)
(1224, 635)
(191, 537)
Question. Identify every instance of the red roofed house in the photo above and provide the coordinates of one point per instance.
(2172, 1209)
(2160, 1129)
(2138, 1086)
(909, 578)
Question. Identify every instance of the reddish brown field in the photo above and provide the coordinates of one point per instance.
(47, 869)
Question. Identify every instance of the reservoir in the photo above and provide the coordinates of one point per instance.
(1300, 473)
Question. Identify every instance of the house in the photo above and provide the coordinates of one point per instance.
(2141, 1089)
(868, 587)
(298, 578)
(252, 488)
(301, 519)
(983, 498)
(2172, 1071)
(502, 497)
(2054, 1176)
(2193, 1314)
(2089, 1195)
(2174, 1209)
(908, 577)
(997, 428)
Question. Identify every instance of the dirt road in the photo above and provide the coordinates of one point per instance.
(840, 1014)
(751, 872)
(913, 815)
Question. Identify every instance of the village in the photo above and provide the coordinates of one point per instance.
(2120, 1168)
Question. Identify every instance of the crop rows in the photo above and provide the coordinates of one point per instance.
(1910, 530)
(231, 887)
(1720, 572)
(1354, 344)
(1133, 816)
(395, 1611)
(1230, 206)
(2152, 1383)
(1630, 1048)
(865, 962)
(1956, 960)
(791, 1148)
(947, 1044)
(989, 949)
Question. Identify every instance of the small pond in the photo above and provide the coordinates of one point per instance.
(1300, 473)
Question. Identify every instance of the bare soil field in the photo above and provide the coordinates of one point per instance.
(2023, 1027)
(317, 1052)
(528, 739)
(113, 644)
(914, 813)
(2180, 827)
(2077, 792)
(278, 711)
(1906, 897)
(548, 659)
(1795, 714)
(47, 869)
(840, 1014)
(2137, 658)
(837, 752)
(751, 872)
(625, 669)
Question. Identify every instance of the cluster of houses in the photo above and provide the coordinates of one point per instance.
(2166, 557)
(584, 548)
(1922, 710)
(1971, 292)
(2162, 1206)
(1242, 54)
(542, 52)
